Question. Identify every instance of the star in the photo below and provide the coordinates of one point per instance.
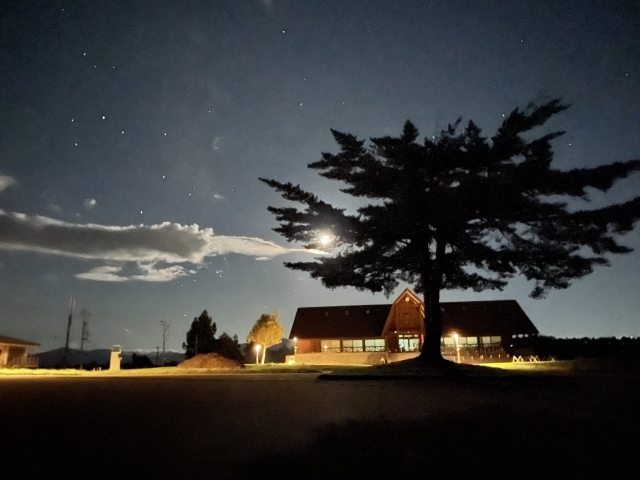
(104, 117)
(122, 132)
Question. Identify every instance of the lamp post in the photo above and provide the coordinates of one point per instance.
(257, 352)
(295, 350)
(455, 337)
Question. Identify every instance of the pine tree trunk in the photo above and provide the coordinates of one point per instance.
(432, 282)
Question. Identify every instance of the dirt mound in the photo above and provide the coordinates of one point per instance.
(210, 360)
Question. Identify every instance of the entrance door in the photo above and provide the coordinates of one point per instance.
(408, 343)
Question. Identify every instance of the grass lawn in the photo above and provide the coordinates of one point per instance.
(161, 371)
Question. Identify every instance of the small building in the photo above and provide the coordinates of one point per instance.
(17, 353)
(478, 331)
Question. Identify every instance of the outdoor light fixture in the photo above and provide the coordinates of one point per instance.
(257, 352)
(455, 337)
(295, 350)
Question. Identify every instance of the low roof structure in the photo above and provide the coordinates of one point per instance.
(4, 340)
(477, 318)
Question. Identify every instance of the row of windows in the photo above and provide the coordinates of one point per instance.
(470, 341)
(366, 345)
(379, 345)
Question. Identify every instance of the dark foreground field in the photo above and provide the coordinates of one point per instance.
(294, 427)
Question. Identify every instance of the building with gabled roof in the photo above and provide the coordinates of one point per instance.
(15, 352)
(478, 331)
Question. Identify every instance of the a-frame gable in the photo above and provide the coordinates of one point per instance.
(406, 314)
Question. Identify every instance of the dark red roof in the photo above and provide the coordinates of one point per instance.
(491, 317)
(484, 318)
(351, 321)
(16, 341)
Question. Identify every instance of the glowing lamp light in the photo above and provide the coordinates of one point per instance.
(455, 337)
(257, 352)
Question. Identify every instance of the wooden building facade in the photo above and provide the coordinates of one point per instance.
(17, 353)
(477, 330)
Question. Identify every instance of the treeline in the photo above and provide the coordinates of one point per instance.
(572, 348)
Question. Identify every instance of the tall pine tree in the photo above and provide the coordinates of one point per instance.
(201, 336)
(457, 212)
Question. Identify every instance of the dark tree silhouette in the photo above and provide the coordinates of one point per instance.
(229, 347)
(201, 336)
(457, 212)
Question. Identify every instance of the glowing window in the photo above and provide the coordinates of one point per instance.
(374, 345)
(352, 346)
(330, 345)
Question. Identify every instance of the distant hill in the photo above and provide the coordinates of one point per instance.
(75, 358)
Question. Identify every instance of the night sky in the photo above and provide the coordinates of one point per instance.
(132, 136)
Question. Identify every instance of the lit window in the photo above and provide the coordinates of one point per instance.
(330, 345)
(472, 341)
(448, 341)
(374, 345)
(496, 340)
(352, 346)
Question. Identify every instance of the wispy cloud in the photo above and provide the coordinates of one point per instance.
(6, 181)
(90, 203)
(55, 209)
(156, 252)
(217, 196)
(215, 143)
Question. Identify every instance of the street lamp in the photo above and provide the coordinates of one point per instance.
(295, 350)
(257, 352)
(455, 337)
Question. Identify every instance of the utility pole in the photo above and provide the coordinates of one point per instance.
(71, 305)
(85, 330)
(165, 332)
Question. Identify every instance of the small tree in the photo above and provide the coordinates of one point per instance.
(201, 336)
(267, 331)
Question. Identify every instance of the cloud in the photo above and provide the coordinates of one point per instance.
(156, 251)
(105, 273)
(6, 181)
(217, 196)
(89, 203)
(53, 208)
(215, 144)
